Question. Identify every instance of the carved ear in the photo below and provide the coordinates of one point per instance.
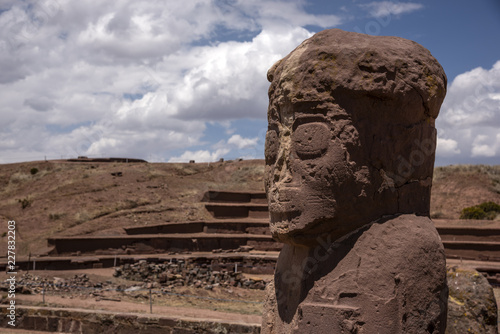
(270, 72)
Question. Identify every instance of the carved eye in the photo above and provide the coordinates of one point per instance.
(311, 140)
(272, 146)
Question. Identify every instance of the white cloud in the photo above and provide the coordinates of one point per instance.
(486, 146)
(137, 78)
(200, 156)
(470, 115)
(447, 147)
(234, 147)
(241, 142)
(380, 9)
(228, 81)
(143, 78)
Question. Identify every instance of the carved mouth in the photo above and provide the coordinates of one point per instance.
(284, 194)
(283, 217)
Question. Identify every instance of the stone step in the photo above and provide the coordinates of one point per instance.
(250, 226)
(159, 243)
(490, 269)
(468, 233)
(237, 210)
(472, 250)
(253, 262)
(215, 196)
(261, 226)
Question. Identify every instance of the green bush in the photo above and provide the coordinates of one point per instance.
(473, 212)
(489, 206)
(486, 210)
(33, 170)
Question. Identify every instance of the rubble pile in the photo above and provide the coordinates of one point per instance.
(183, 273)
(32, 284)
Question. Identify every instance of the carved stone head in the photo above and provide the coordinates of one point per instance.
(351, 133)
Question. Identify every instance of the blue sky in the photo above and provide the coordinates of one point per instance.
(175, 81)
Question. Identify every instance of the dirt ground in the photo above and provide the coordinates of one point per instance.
(237, 304)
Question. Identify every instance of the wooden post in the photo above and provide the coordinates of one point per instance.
(150, 301)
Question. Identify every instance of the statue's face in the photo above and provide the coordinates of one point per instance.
(345, 130)
(311, 170)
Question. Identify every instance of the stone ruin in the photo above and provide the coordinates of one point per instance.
(188, 273)
(472, 307)
(349, 160)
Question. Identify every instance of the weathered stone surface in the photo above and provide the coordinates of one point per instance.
(351, 115)
(349, 160)
(472, 307)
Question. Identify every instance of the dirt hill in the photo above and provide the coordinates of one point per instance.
(63, 198)
(76, 198)
(459, 186)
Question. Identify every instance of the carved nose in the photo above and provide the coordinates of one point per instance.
(285, 177)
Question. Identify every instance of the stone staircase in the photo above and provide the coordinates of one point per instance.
(470, 240)
(238, 235)
(226, 205)
(240, 223)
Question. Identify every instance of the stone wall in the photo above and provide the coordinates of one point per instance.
(101, 322)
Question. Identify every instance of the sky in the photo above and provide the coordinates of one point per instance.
(173, 81)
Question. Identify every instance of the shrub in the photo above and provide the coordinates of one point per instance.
(25, 202)
(472, 212)
(437, 215)
(19, 178)
(33, 171)
(55, 216)
(486, 210)
(491, 215)
(489, 206)
(82, 217)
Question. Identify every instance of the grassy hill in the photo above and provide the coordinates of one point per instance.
(63, 198)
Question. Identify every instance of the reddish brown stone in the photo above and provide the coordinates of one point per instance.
(349, 160)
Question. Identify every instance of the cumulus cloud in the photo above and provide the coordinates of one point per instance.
(137, 78)
(380, 9)
(241, 142)
(447, 147)
(236, 146)
(143, 79)
(486, 146)
(470, 116)
(200, 156)
(228, 81)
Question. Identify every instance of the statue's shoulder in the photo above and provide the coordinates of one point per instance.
(408, 228)
(400, 239)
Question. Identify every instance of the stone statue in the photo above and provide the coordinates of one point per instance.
(349, 162)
